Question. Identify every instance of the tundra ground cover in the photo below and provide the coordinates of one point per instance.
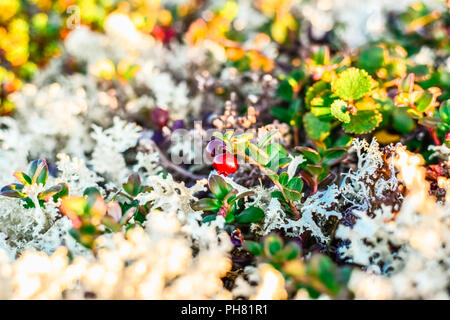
(224, 149)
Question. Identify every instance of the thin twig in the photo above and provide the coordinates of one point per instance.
(169, 164)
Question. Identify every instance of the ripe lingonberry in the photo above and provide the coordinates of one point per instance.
(225, 163)
(160, 116)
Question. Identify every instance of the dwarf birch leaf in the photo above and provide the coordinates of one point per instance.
(363, 122)
(352, 84)
(339, 111)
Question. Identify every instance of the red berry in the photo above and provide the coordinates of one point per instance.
(225, 163)
(447, 136)
(160, 116)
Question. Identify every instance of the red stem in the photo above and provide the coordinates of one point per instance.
(434, 136)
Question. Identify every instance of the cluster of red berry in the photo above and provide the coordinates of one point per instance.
(224, 162)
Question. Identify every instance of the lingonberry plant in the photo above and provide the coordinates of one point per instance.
(31, 190)
(228, 203)
(269, 157)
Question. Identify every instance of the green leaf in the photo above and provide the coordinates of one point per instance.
(272, 245)
(352, 84)
(64, 191)
(207, 204)
(444, 111)
(310, 154)
(317, 89)
(321, 56)
(50, 192)
(401, 121)
(293, 189)
(133, 186)
(344, 141)
(345, 273)
(334, 153)
(292, 195)
(22, 177)
(39, 171)
(289, 252)
(281, 113)
(111, 224)
(13, 190)
(363, 122)
(277, 194)
(424, 102)
(316, 128)
(327, 274)
(254, 247)
(285, 90)
(339, 110)
(230, 217)
(219, 187)
(371, 59)
(314, 169)
(295, 183)
(320, 111)
(250, 215)
(283, 178)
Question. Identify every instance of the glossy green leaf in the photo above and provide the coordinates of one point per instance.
(334, 153)
(250, 215)
(207, 204)
(13, 190)
(283, 178)
(22, 177)
(39, 171)
(219, 187)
